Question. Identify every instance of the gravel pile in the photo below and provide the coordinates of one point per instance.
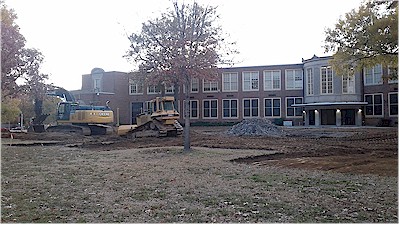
(256, 127)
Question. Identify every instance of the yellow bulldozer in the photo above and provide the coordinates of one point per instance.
(158, 119)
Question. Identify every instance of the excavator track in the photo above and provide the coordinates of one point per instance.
(70, 129)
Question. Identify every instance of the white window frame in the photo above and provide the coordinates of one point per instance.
(191, 109)
(310, 81)
(169, 89)
(213, 85)
(203, 109)
(327, 76)
(294, 108)
(253, 76)
(373, 105)
(348, 81)
(155, 89)
(194, 85)
(230, 109)
(389, 104)
(97, 84)
(272, 108)
(376, 75)
(251, 107)
(138, 87)
(297, 84)
(270, 77)
(389, 80)
(227, 84)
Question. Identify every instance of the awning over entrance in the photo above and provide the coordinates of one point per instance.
(316, 104)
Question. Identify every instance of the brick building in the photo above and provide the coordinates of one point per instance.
(309, 93)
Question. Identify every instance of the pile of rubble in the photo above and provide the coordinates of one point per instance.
(256, 127)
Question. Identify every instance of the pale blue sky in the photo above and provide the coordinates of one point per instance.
(75, 36)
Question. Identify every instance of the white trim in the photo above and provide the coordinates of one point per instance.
(191, 85)
(251, 73)
(388, 100)
(230, 108)
(374, 82)
(327, 81)
(230, 82)
(152, 93)
(137, 88)
(210, 82)
(350, 79)
(271, 75)
(209, 118)
(294, 111)
(294, 79)
(311, 84)
(373, 105)
(280, 108)
(190, 110)
(251, 107)
(389, 80)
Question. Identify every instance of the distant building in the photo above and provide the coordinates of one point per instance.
(308, 94)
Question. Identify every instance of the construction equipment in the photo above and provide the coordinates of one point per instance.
(84, 119)
(159, 119)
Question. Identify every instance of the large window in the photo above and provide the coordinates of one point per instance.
(373, 75)
(393, 104)
(393, 73)
(230, 108)
(194, 85)
(293, 111)
(294, 79)
(169, 89)
(250, 107)
(229, 82)
(153, 89)
(272, 107)
(272, 80)
(310, 81)
(210, 109)
(135, 88)
(348, 84)
(97, 85)
(326, 80)
(250, 81)
(210, 86)
(375, 104)
(194, 109)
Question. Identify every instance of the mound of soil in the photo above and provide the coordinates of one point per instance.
(256, 127)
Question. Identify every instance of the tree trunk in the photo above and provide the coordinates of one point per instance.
(186, 131)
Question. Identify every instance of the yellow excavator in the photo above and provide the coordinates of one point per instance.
(159, 119)
(83, 119)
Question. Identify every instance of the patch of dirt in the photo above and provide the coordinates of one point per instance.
(363, 150)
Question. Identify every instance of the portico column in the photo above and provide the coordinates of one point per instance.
(338, 117)
(306, 120)
(358, 117)
(317, 117)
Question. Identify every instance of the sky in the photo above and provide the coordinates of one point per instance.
(76, 36)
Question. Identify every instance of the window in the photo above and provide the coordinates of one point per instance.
(272, 80)
(272, 107)
(194, 109)
(169, 89)
(153, 89)
(210, 109)
(375, 106)
(97, 85)
(250, 107)
(210, 86)
(294, 79)
(326, 80)
(229, 82)
(348, 84)
(310, 81)
(194, 85)
(393, 104)
(250, 81)
(392, 72)
(230, 108)
(373, 75)
(135, 88)
(293, 111)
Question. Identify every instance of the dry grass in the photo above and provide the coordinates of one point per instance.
(61, 184)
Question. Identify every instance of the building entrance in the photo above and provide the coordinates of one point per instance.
(328, 117)
(348, 117)
(136, 110)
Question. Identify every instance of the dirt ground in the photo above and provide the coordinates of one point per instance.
(364, 150)
(311, 175)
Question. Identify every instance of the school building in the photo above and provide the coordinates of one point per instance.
(308, 93)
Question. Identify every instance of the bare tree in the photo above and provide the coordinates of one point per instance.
(182, 44)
